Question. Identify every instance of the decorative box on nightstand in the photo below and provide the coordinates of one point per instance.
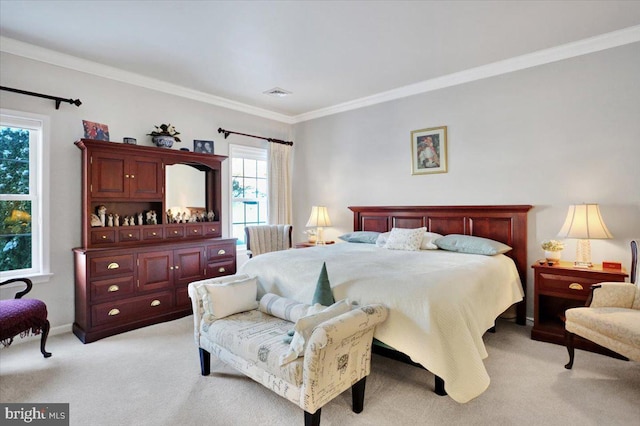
(560, 287)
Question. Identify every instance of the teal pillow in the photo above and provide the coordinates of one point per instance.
(470, 244)
(323, 294)
(367, 237)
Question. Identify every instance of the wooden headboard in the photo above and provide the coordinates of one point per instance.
(507, 224)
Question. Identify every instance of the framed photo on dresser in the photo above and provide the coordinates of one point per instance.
(205, 147)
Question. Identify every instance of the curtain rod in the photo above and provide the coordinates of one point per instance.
(228, 132)
(58, 100)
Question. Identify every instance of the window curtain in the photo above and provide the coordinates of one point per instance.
(280, 210)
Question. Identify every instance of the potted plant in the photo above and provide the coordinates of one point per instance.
(164, 135)
(552, 250)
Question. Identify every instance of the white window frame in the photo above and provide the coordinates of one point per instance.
(252, 153)
(39, 192)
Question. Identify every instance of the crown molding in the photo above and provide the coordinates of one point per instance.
(566, 51)
(52, 57)
(570, 50)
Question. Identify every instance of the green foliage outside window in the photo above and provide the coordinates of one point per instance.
(15, 215)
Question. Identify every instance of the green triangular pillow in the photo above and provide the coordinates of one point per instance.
(323, 294)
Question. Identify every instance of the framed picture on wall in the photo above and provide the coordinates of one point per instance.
(205, 147)
(429, 150)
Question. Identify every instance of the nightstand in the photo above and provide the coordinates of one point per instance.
(307, 244)
(560, 287)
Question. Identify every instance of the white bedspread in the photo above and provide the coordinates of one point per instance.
(440, 302)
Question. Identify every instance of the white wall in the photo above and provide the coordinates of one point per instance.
(128, 111)
(550, 136)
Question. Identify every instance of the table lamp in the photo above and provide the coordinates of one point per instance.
(584, 222)
(319, 218)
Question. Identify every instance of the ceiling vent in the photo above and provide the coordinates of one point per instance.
(277, 92)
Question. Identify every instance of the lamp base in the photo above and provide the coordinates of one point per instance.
(319, 237)
(583, 254)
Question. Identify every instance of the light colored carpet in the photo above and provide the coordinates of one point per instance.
(152, 376)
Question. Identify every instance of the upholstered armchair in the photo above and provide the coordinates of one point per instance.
(23, 317)
(612, 317)
(266, 238)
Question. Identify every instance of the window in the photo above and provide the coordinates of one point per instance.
(249, 180)
(23, 244)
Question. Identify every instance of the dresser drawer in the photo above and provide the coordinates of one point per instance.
(194, 230)
(125, 310)
(212, 229)
(113, 288)
(565, 286)
(103, 236)
(175, 231)
(221, 251)
(221, 268)
(111, 265)
(152, 233)
(132, 234)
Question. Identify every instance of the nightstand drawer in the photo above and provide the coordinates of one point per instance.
(562, 285)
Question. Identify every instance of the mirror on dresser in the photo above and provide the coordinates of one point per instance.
(185, 190)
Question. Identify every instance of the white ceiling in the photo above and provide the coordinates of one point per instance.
(330, 54)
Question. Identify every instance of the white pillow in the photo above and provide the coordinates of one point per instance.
(222, 299)
(381, 241)
(428, 241)
(305, 325)
(405, 239)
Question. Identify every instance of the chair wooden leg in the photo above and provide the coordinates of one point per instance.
(205, 362)
(312, 419)
(440, 386)
(43, 339)
(568, 340)
(357, 395)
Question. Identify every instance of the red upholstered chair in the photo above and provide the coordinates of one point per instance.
(23, 317)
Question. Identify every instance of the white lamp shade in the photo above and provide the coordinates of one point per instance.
(319, 217)
(584, 221)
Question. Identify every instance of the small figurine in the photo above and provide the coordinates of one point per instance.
(152, 218)
(110, 221)
(140, 219)
(211, 216)
(102, 211)
(116, 220)
(184, 217)
(126, 221)
(169, 216)
(95, 220)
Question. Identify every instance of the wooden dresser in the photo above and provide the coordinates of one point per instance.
(128, 277)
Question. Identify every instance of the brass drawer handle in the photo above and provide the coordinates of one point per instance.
(132, 176)
(114, 311)
(155, 303)
(222, 251)
(177, 266)
(113, 265)
(126, 176)
(213, 229)
(221, 269)
(575, 286)
(130, 235)
(154, 234)
(195, 231)
(175, 232)
(104, 237)
(113, 288)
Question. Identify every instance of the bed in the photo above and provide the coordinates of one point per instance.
(440, 302)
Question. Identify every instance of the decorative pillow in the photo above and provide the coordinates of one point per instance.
(305, 325)
(428, 241)
(382, 239)
(405, 239)
(472, 245)
(223, 299)
(367, 237)
(283, 308)
(323, 294)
